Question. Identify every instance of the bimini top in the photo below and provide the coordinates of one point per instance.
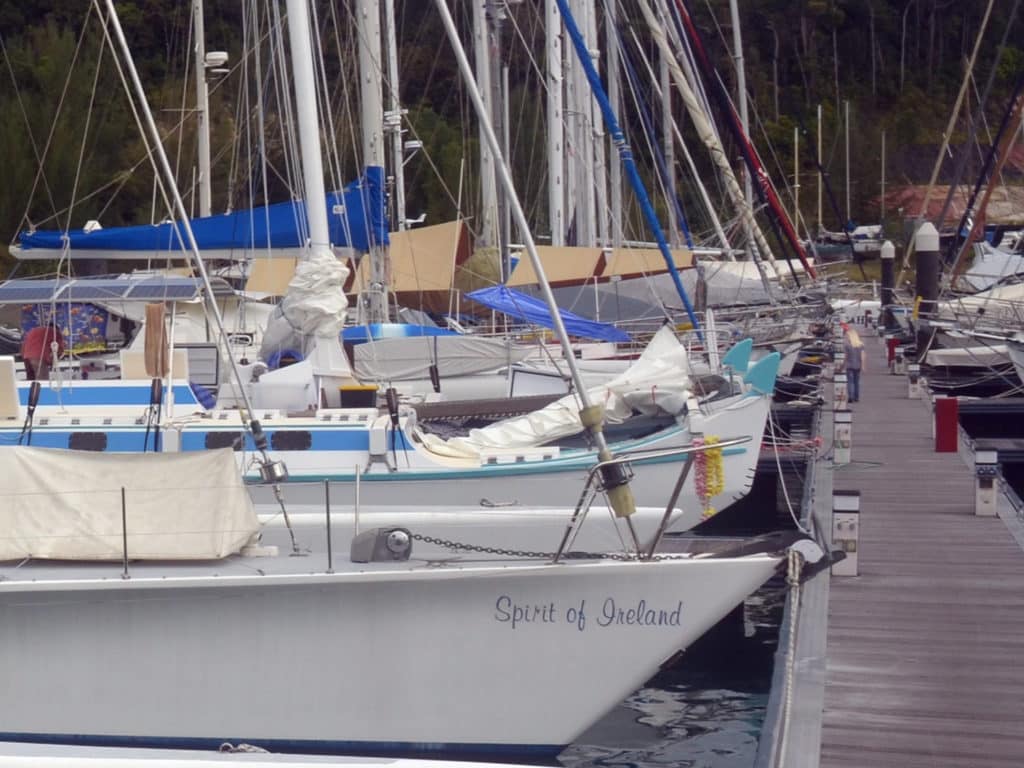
(107, 289)
(528, 309)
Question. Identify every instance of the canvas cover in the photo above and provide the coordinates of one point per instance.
(356, 218)
(404, 359)
(658, 382)
(524, 307)
(66, 505)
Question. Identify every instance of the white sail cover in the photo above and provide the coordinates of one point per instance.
(990, 266)
(410, 357)
(66, 505)
(312, 314)
(658, 382)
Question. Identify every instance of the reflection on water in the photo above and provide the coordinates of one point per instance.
(704, 710)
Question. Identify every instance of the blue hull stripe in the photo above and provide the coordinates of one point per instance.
(332, 439)
(73, 395)
(131, 440)
(470, 751)
(486, 471)
(117, 442)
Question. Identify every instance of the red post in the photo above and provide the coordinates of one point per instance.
(946, 424)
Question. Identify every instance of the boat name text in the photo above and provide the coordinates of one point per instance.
(611, 613)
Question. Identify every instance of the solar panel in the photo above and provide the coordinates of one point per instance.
(29, 291)
(171, 288)
(101, 289)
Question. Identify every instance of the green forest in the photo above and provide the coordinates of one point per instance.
(72, 150)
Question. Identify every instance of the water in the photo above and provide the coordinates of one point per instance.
(704, 710)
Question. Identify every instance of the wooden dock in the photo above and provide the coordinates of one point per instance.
(921, 661)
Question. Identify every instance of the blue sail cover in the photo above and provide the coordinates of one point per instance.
(531, 310)
(356, 218)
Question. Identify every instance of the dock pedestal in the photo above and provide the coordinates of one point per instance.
(914, 381)
(846, 531)
(986, 481)
(842, 438)
(840, 397)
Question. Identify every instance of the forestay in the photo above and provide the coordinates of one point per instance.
(66, 505)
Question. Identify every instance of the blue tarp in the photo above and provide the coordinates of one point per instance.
(356, 218)
(358, 334)
(528, 309)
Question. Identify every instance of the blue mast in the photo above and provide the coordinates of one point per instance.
(626, 155)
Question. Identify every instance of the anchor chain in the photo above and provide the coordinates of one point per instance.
(529, 554)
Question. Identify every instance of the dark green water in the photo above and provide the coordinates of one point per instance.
(705, 710)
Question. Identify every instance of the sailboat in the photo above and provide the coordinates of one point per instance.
(393, 461)
(142, 596)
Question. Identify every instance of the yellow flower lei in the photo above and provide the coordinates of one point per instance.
(710, 473)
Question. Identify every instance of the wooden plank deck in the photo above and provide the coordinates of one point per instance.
(925, 648)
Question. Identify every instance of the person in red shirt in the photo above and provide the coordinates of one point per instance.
(37, 352)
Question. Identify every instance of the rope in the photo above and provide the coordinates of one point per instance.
(795, 564)
(782, 479)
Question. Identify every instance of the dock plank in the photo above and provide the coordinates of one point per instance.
(923, 664)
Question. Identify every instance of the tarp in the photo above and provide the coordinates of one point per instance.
(990, 266)
(531, 310)
(66, 505)
(356, 217)
(404, 359)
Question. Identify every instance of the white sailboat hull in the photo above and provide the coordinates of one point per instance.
(1015, 350)
(395, 658)
(537, 483)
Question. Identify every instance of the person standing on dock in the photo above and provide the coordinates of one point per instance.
(853, 347)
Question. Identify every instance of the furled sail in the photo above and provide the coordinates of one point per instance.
(356, 216)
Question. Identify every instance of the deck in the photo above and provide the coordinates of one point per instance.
(920, 661)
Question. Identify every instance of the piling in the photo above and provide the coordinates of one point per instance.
(926, 243)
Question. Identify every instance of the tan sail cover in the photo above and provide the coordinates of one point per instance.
(66, 505)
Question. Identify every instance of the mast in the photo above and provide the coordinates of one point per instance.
(701, 123)
(796, 176)
(393, 117)
(375, 303)
(821, 175)
(614, 479)
(882, 197)
(503, 122)
(668, 144)
(488, 225)
(741, 97)
(846, 111)
(556, 131)
(615, 171)
(696, 177)
(995, 158)
(602, 218)
(778, 218)
(202, 109)
(626, 156)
